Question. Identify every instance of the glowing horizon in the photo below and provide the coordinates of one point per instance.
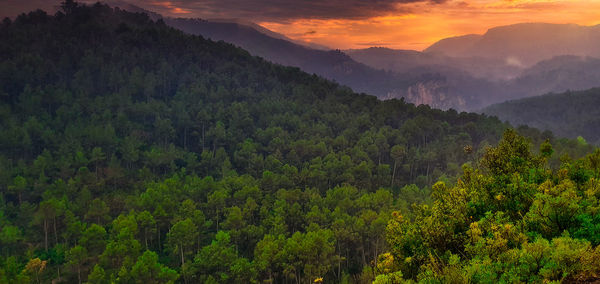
(418, 31)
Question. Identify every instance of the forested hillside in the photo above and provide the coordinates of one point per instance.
(131, 152)
(330, 64)
(570, 114)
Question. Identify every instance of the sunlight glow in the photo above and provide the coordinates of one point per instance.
(425, 23)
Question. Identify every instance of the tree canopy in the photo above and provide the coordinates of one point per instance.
(132, 152)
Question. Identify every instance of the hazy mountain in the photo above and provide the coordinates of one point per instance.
(569, 114)
(450, 82)
(409, 60)
(454, 46)
(524, 44)
(443, 81)
(558, 74)
(393, 59)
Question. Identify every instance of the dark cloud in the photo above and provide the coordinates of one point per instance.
(12, 8)
(282, 10)
(256, 10)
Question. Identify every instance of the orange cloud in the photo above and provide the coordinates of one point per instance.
(426, 24)
(171, 7)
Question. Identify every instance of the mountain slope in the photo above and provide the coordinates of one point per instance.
(274, 34)
(333, 64)
(557, 75)
(569, 114)
(442, 81)
(525, 44)
(454, 46)
(404, 61)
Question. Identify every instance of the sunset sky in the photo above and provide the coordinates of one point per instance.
(343, 24)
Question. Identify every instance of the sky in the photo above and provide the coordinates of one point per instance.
(346, 24)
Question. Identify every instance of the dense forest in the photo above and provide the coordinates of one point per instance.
(571, 114)
(131, 152)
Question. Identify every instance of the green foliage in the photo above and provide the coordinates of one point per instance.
(130, 151)
(147, 269)
(511, 220)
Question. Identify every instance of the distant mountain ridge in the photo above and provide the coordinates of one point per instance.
(524, 44)
(410, 60)
(569, 114)
(507, 62)
(453, 46)
(556, 75)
